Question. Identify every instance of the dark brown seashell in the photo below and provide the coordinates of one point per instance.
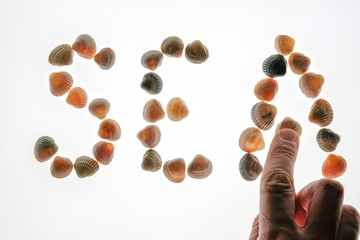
(103, 152)
(60, 83)
(263, 115)
(174, 170)
(172, 47)
(196, 52)
(321, 113)
(327, 139)
(151, 161)
(284, 44)
(61, 167)
(251, 140)
(62, 55)
(274, 66)
(110, 130)
(250, 167)
(200, 167)
(299, 63)
(150, 136)
(45, 147)
(266, 89)
(152, 83)
(288, 122)
(152, 59)
(153, 111)
(311, 84)
(85, 46)
(334, 166)
(105, 59)
(85, 166)
(77, 97)
(99, 107)
(177, 109)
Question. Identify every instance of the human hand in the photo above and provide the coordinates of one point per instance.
(315, 213)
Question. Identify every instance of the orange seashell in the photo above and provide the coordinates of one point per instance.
(177, 109)
(200, 167)
(266, 89)
(61, 167)
(174, 170)
(77, 97)
(274, 66)
(263, 115)
(250, 167)
(150, 136)
(105, 59)
(44, 148)
(151, 161)
(153, 111)
(99, 107)
(251, 140)
(85, 166)
(152, 59)
(85, 46)
(299, 63)
(321, 113)
(311, 83)
(172, 47)
(152, 83)
(196, 52)
(284, 44)
(60, 83)
(103, 152)
(334, 166)
(288, 122)
(62, 55)
(110, 130)
(327, 139)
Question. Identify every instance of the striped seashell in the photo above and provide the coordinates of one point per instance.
(151, 161)
(266, 89)
(288, 122)
(263, 115)
(200, 167)
(284, 44)
(251, 140)
(152, 83)
(99, 107)
(196, 52)
(85, 46)
(77, 97)
(327, 139)
(62, 55)
(299, 63)
(85, 166)
(177, 109)
(321, 113)
(152, 59)
(60, 83)
(105, 59)
(274, 66)
(110, 130)
(44, 148)
(250, 167)
(153, 111)
(103, 152)
(172, 47)
(149, 136)
(311, 83)
(174, 170)
(334, 166)
(61, 167)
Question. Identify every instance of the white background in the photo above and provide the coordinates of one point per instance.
(121, 201)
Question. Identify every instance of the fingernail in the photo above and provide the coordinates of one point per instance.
(288, 135)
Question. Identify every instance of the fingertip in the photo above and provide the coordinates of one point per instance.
(287, 134)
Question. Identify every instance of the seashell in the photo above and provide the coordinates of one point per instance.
(45, 147)
(196, 52)
(103, 152)
(274, 66)
(151, 161)
(77, 97)
(85, 46)
(251, 140)
(288, 122)
(266, 89)
(334, 166)
(110, 130)
(172, 46)
(299, 63)
(85, 166)
(152, 59)
(321, 113)
(327, 139)
(250, 167)
(152, 83)
(99, 107)
(200, 167)
(61, 167)
(60, 83)
(62, 55)
(153, 111)
(263, 115)
(311, 83)
(150, 136)
(105, 59)
(177, 109)
(284, 44)
(174, 170)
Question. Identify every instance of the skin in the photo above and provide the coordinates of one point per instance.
(315, 213)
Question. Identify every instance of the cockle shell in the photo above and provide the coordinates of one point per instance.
(174, 170)
(85, 46)
(77, 97)
(85, 166)
(105, 58)
(284, 44)
(200, 167)
(334, 166)
(321, 113)
(44, 148)
(274, 66)
(152, 83)
(266, 89)
(62, 55)
(299, 63)
(311, 83)
(250, 167)
(263, 115)
(110, 130)
(327, 139)
(177, 109)
(103, 152)
(99, 107)
(153, 111)
(152, 59)
(251, 140)
(288, 122)
(60, 83)
(61, 167)
(150, 136)
(196, 52)
(151, 161)
(172, 46)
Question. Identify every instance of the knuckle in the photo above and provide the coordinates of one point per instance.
(278, 182)
(287, 150)
(353, 215)
(332, 186)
